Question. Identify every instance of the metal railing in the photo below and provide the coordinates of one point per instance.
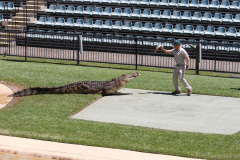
(120, 52)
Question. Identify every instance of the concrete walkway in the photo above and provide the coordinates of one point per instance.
(4, 92)
(63, 151)
(54, 150)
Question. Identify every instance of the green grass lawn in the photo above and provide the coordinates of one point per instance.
(46, 116)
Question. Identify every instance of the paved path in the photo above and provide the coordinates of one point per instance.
(56, 150)
(70, 151)
(4, 92)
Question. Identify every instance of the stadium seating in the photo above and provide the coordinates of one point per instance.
(196, 16)
(174, 3)
(199, 30)
(188, 29)
(210, 31)
(232, 32)
(137, 26)
(176, 15)
(1, 17)
(127, 26)
(178, 29)
(221, 31)
(207, 17)
(147, 27)
(235, 5)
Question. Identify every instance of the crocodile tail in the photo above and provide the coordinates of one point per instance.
(27, 92)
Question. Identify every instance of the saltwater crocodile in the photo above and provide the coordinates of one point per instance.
(84, 87)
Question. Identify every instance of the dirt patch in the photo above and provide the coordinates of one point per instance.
(14, 87)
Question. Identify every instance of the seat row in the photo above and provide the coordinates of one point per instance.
(214, 4)
(6, 6)
(129, 39)
(146, 13)
(140, 27)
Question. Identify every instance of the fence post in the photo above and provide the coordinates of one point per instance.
(136, 52)
(25, 46)
(197, 59)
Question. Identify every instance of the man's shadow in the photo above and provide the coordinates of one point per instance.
(162, 93)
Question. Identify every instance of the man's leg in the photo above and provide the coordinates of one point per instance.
(183, 80)
(175, 78)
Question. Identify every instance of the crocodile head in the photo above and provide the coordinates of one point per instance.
(128, 77)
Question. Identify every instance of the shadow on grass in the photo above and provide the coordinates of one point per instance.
(235, 88)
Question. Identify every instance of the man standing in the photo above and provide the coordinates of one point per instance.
(182, 63)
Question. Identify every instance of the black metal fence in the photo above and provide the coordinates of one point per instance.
(217, 59)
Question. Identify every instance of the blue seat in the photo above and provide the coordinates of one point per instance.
(108, 24)
(88, 11)
(235, 5)
(127, 26)
(221, 31)
(174, 3)
(197, 16)
(184, 3)
(98, 11)
(217, 17)
(144, 2)
(188, 29)
(2, 5)
(176, 15)
(207, 17)
(79, 10)
(147, 27)
(210, 31)
(115, 1)
(164, 3)
(224, 4)
(125, 1)
(126, 12)
(236, 20)
(156, 14)
(154, 2)
(60, 22)
(157, 27)
(128, 39)
(61, 9)
(88, 23)
(69, 22)
(1, 18)
(137, 26)
(232, 32)
(52, 8)
(41, 21)
(70, 9)
(136, 13)
(228, 18)
(199, 30)
(117, 25)
(98, 24)
(186, 16)
(107, 11)
(149, 41)
(204, 4)
(214, 4)
(178, 29)
(194, 3)
(117, 12)
(79, 23)
(135, 2)
(168, 28)
(146, 13)
(51, 21)
(10, 6)
(166, 14)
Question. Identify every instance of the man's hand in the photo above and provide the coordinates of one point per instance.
(187, 67)
(157, 48)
